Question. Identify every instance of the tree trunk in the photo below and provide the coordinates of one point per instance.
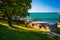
(16, 20)
(9, 19)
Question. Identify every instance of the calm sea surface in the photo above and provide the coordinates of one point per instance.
(44, 16)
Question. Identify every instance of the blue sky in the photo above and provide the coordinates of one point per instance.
(45, 6)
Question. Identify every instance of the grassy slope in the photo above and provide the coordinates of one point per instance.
(58, 27)
(20, 33)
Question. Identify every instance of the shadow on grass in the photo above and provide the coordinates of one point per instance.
(9, 34)
(58, 30)
(13, 22)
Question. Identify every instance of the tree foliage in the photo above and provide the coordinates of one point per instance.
(9, 8)
(59, 16)
(15, 7)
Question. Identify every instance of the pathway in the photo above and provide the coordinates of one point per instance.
(53, 34)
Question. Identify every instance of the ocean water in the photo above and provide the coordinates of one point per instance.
(44, 16)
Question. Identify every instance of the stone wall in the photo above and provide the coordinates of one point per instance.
(42, 27)
(38, 26)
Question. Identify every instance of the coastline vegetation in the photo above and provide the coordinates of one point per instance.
(9, 8)
(59, 16)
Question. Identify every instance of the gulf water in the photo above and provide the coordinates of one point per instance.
(44, 16)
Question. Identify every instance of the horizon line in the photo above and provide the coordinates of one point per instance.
(43, 12)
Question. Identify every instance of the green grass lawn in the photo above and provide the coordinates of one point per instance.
(59, 29)
(21, 33)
